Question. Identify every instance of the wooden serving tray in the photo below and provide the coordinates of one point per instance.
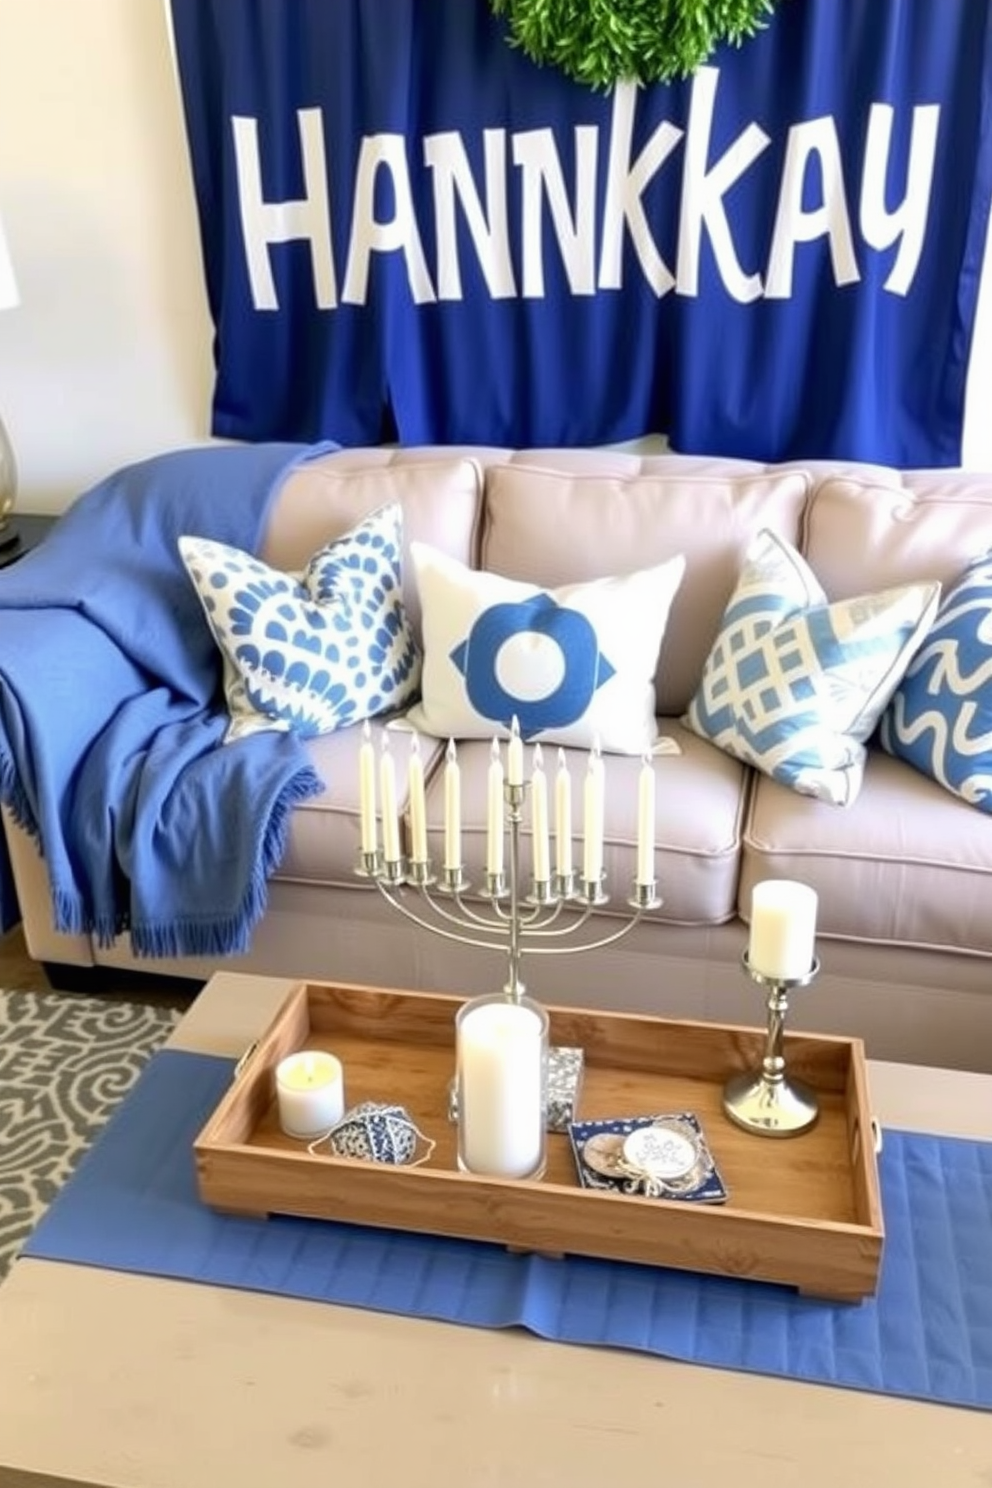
(805, 1211)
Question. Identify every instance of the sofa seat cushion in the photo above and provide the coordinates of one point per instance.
(700, 796)
(908, 864)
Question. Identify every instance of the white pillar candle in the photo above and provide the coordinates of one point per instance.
(390, 815)
(540, 845)
(563, 819)
(500, 1056)
(452, 808)
(366, 774)
(494, 813)
(593, 807)
(645, 823)
(783, 928)
(309, 1093)
(418, 806)
(515, 755)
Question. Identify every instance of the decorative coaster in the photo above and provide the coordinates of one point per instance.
(658, 1157)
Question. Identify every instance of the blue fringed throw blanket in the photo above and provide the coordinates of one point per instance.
(112, 712)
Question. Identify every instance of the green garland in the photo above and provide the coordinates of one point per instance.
(599, 42)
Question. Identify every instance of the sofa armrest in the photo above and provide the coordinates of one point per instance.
(44, 943)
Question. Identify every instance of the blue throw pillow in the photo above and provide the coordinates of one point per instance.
(795, 685)
(940, 719)
(314, 652)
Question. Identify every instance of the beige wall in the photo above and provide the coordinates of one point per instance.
(107, 359)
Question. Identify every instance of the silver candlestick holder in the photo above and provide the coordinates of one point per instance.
(514, 923)
(768, 1101)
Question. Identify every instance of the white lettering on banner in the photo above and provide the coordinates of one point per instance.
(400, 232)
(625, 188)
(830, 219)
(703, 192)
(813, 168)
(908, 223)
(445, 156)
(263, 223)
(537, 155)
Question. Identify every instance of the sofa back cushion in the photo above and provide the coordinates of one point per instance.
(554, 527)
(440, 493)
(874, 532)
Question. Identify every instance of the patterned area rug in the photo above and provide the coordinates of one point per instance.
(65, 1063)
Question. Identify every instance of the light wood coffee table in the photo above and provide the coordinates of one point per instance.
(112, 1380)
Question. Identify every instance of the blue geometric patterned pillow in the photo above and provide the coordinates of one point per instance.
(940, 719)
(311, 653)
(794, 685)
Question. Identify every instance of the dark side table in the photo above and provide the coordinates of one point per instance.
(25, 532)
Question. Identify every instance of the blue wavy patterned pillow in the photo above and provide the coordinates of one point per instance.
(311, 653)
(795, 685)
(940, 718)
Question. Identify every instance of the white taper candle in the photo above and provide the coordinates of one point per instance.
(366, 791)
(539, 819)
(494, 813)
(593, 810)
(390, 816)
(418, 805)
(515, 755)
(452, 808)
(563, 819)
(645, 822)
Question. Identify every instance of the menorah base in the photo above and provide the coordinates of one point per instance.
(770, 1107)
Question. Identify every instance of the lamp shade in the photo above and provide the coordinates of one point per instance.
(8, 284)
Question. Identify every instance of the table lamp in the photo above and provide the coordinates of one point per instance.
(8, 466)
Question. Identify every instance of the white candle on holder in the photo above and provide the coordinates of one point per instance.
(593, 807)
(515, 755)
(390, 815)
(494, 813)
(563, 819)
(309, 1093)
(645, 823)
(539, 819)
(783, 928)
(452, 808)
(418, 805)
(366, 769)
(500, 1059)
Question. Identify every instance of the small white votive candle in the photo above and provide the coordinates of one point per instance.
(783, 929)
(501, 1058)
(309, 1092)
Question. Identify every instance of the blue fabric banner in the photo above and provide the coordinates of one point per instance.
(411, 232)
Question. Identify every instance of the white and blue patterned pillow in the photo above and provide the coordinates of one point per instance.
(574, 665)
(794, 685)
(940, 718)
(314, 652)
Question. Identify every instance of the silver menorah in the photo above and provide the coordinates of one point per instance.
(519, 923)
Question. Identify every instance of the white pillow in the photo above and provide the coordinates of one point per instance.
(310, 653)
(795, 685)
(574, 665)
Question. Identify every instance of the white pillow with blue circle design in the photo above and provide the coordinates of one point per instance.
(310, 653)
(940, 719)
(794, 685)
(574, 665)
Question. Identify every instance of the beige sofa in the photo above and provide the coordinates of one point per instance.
(904, 875)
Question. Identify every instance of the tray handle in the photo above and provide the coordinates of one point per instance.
(245, 1060)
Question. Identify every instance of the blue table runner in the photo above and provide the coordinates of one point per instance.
(132, 1205)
